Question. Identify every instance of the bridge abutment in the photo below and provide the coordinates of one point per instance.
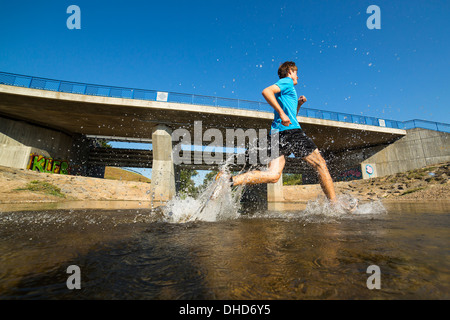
(29, 146)
(19, 140)
(419, 148)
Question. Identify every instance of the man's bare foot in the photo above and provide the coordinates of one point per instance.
(349, 206)
(218, 185)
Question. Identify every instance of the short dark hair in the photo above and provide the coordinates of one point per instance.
(285, 68)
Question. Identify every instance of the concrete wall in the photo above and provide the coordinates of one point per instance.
(19, 139)
(419, 148)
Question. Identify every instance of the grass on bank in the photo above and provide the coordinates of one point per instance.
(42, 186)
(112, 173)
(413, 190)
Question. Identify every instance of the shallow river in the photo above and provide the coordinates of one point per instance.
(133, 254)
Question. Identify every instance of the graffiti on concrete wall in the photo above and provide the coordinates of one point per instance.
(48, 165)
(351, 174)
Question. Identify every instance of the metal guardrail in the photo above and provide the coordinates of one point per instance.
(416, 123)
(153, 95)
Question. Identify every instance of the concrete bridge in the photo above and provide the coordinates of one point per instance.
(60, 122)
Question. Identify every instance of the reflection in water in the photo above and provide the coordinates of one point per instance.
(134, 254)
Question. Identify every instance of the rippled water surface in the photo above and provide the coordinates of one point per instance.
(135, 254)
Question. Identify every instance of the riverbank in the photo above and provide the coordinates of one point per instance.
(25, 186)
(428, 183)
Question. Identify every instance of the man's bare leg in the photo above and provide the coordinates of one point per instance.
(272, 175)
(316, 160)
(275, 170)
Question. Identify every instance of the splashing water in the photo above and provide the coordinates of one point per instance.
(321, 210)
(226, 203)
(226, 206)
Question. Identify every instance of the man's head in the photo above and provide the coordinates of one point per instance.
(288, 69)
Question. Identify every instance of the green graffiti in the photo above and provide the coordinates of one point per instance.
(48, 165)
(56, 166)
(38, 164)
(64, 168)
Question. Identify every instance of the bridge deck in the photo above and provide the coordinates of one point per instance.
(132, 118)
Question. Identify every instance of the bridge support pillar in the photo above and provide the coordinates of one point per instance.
(275, 191)
(163, 173)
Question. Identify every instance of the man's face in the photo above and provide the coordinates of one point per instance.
(293, 75)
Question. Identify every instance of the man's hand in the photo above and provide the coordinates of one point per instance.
(285, 121)
(302, 100)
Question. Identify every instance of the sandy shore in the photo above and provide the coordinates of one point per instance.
(429, 183)
(71, 187)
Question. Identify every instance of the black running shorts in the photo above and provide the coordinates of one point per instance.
(293, 141)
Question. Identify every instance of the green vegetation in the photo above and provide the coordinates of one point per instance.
(103, 143)
(209, 177)
(186, 184)
(292, 179)
(413, 190)
(42, 186)
(113, 173)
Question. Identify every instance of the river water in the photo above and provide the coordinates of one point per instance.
(134, 253)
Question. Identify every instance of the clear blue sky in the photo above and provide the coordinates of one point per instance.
(233, 49)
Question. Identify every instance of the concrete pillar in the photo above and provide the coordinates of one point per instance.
(163, 173)
(275, 191)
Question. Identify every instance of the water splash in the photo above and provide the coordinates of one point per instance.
(321, 210)
(225, 206)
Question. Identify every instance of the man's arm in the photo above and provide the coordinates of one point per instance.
(269, 94)
(301, 101)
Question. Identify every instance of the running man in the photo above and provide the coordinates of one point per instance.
(283, 98)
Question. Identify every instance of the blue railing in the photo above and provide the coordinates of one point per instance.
(153, 95)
